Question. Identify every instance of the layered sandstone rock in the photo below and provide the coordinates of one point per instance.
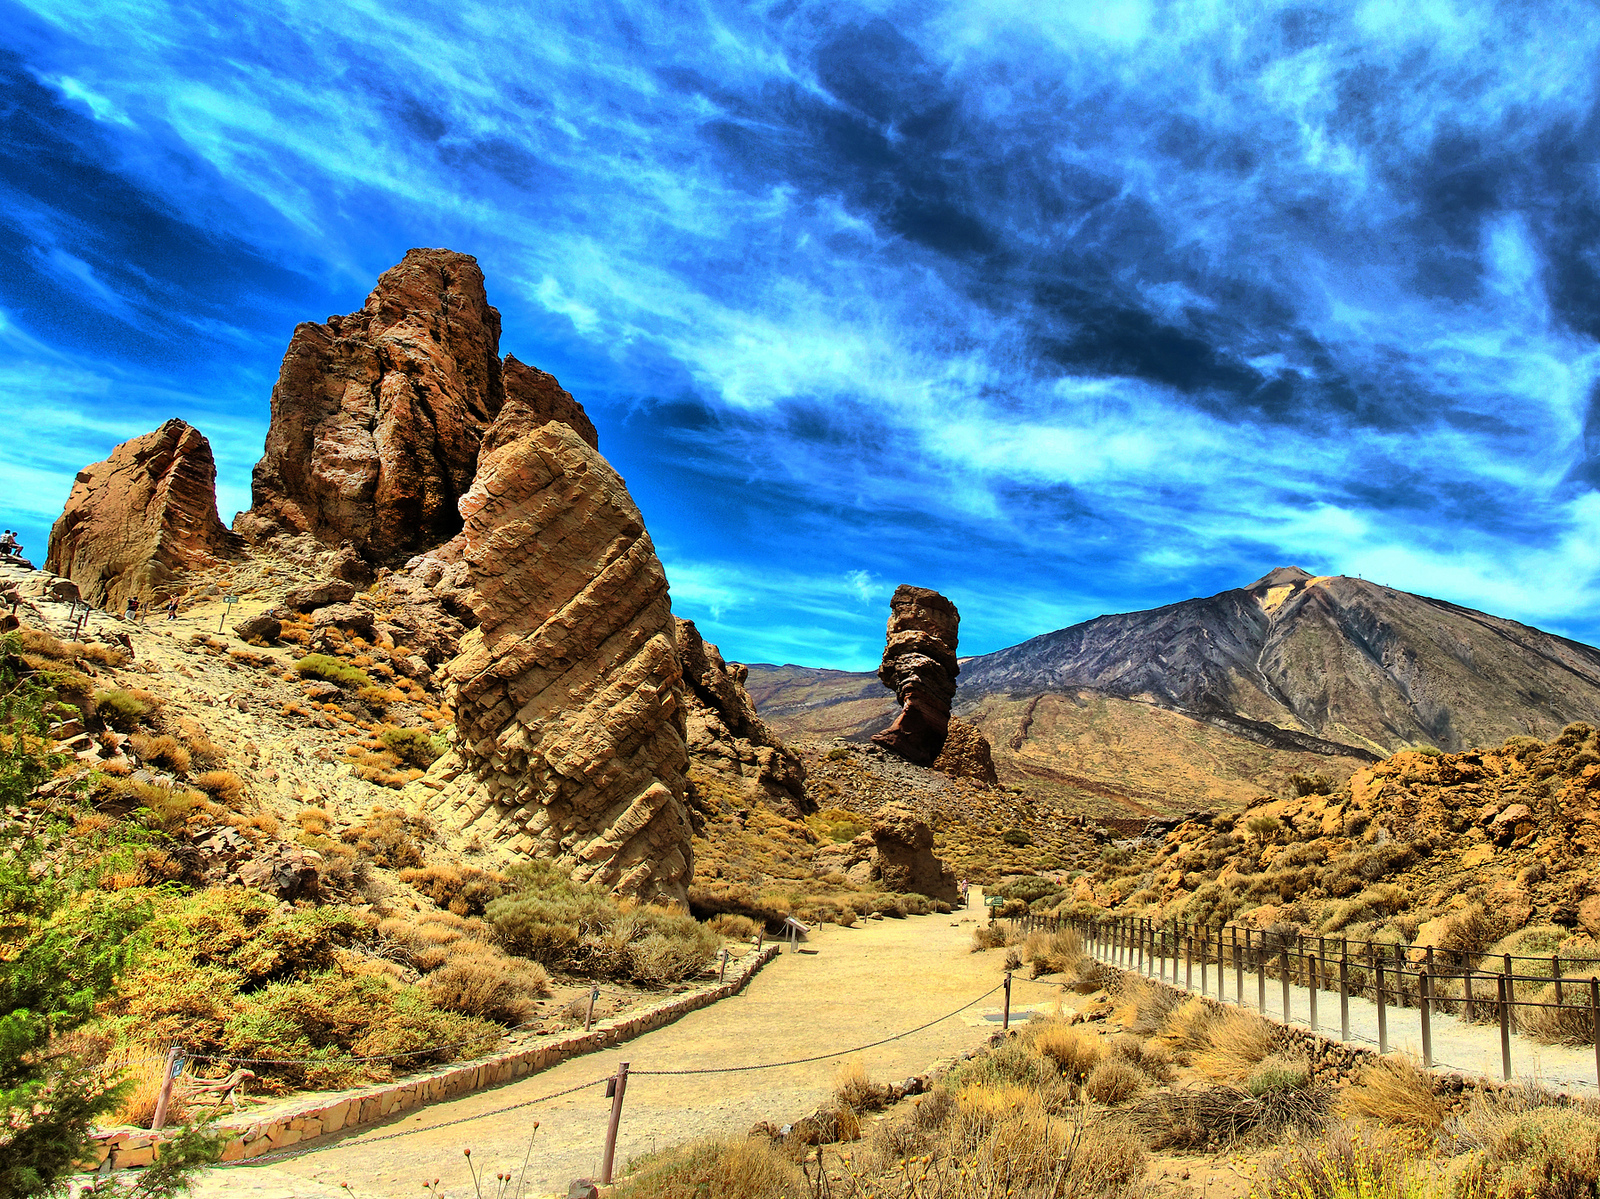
(897, 855)
(140, 518)
(967, 754)
(378, 417)
(919, 666)
(728, 739)
(569, 739)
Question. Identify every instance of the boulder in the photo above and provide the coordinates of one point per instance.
(897, 855)
(138, 520)
(378, 417)
(569, 737)
(967, 754)
(728, 738)
(1513, 824)
(263, 627)
(319, 595)
(919, 666)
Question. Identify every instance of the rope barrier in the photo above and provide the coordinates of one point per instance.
(821, 1057)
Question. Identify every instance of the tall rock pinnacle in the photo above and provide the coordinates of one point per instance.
(919, 666)
(378, 417)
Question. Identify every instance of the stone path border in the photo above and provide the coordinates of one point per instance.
(307, 1117)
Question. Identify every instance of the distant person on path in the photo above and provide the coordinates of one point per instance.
(963, 894)
(172, 608)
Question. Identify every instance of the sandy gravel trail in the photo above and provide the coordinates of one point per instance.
(861, 984)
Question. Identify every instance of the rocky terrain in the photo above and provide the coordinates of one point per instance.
(919, 666)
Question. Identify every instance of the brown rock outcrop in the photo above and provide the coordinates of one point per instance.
(919, 666)
(141, 517)
(897, 855)
(727, 738)
(378, 417)
(966, 754)
(569, 740)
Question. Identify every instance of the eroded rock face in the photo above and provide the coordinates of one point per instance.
(568, 693)
(140, 518)
(378, 417)
(728, 739)
(966, 754)
(919, 666)
(897, 855)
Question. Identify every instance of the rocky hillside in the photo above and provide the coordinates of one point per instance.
(1458, 850)
(1218, 701)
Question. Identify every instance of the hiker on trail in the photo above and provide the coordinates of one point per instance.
(963, 893)
(133, 608)
(172, 608)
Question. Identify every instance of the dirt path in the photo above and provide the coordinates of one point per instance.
(861, 984)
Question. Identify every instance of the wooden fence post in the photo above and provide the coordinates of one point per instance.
(1283, 971)
(1505, 1027)
(1424, 994)
(1006, 1025)
(1383, 1018)
(1555, 973)
(1238, 970)
(1311, 962)
(619, 1086)
(1344, 998)
(1594, 1024)
(171, 1066)
(1188, 957)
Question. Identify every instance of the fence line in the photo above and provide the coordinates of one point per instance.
(1409, 977)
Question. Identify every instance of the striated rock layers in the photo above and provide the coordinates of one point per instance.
(570, 739)
(897, 855)
(378, 417)
(140, 517)
(728, 739)
(919, 666)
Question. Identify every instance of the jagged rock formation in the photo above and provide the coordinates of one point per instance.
(569, 739)
(919, 666)
(141, 517)
(897, 855)
(378, 417)
(966, 754)
(726, 736)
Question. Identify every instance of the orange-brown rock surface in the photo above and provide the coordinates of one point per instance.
(141, 517)
(897, 855)
(919, 666)
(570, 740)
(727, 738)
(378, 417)
(966, 754)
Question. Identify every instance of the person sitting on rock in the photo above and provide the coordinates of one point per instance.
(133, 608)
(8, 542)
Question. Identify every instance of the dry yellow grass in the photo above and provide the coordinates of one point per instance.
(141, 1070)
(1396, 1092)
(1075, 1051)
(737, 1169)
(1236, 1042)
(1115, 1080)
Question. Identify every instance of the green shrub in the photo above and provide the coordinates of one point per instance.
(415, 747)
(1029, 888)
(1311, 784)
(125, 711)
(329, 669)
(582, 929)
(1016, 837)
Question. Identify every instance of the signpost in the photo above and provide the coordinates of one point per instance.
(227, 602)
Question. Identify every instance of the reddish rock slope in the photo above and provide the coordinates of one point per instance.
(378, 417)
(140, 517)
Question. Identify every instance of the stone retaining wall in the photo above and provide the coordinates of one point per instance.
(296, 1121)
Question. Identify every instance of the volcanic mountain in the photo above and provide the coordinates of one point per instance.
(1214, 699)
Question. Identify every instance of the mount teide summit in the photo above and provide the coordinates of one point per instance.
(1213, 699)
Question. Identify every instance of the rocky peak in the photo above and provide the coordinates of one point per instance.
(379, 417)
(141, 517)
(568, 696)
(919, 666)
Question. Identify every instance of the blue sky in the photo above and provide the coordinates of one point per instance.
(1061, 309)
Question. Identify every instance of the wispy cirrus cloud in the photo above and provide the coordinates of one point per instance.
(1067, 310)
